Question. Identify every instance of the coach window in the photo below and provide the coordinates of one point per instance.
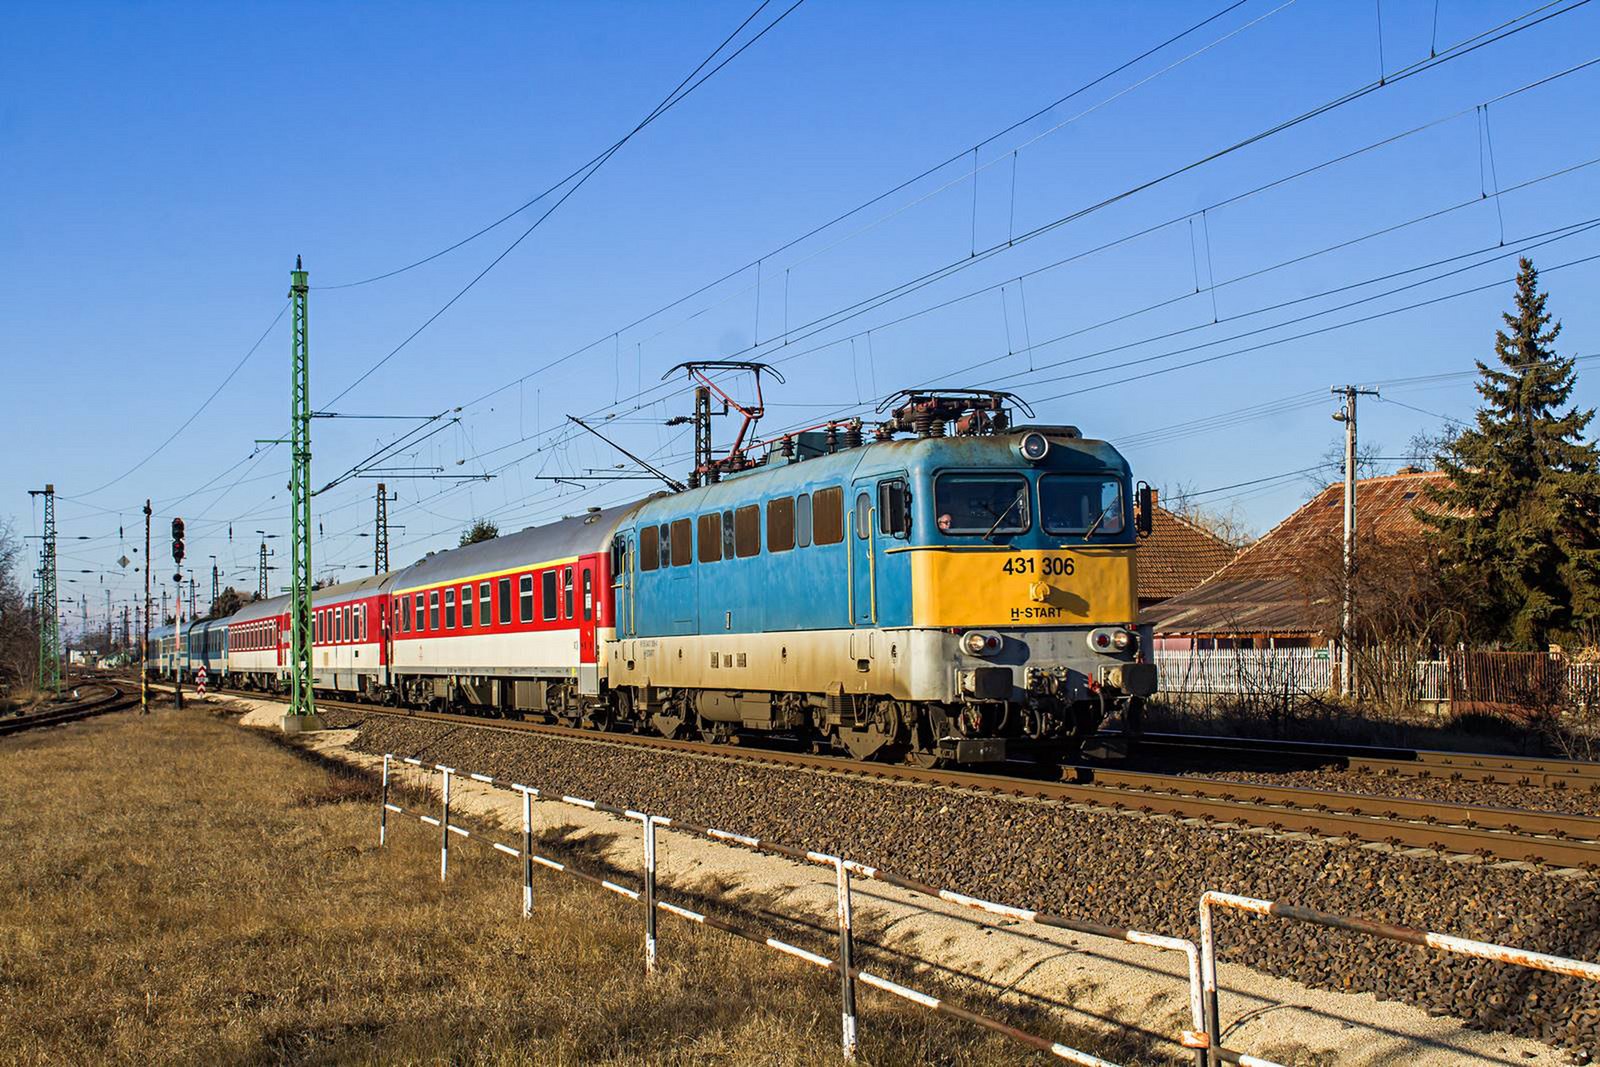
(727, 535)
(649, 548)
(780, 524)
(403, 615)
(316, 629)
(588, 594)
(664, 537)
(710, 536)
(349, 624)
(525, 589)
(483, 604)
(450, 609)
(505, 601)
(802, 520)
(433, 610)
(863, 515)
(566, 588)
(681, 551)
(747, 531)
(549, 593)
(333, 631)
(827, 516)
(422, 612)
(466, 607)
(894, 508)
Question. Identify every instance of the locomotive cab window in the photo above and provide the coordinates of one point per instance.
(548, 594)
(780, 524)
(619, 559)
(649, 548)
(681, 532)
(982, 504)
(1089, 505)
(894, 508)
(710, 537)
(863, 516)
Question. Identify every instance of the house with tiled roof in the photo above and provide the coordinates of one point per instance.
(1177, 556)
(1261, 597)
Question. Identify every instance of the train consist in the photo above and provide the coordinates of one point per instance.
(956, 589)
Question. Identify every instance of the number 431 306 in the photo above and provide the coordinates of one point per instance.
(1049, 566)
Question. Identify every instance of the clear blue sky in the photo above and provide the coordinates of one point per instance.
(162, 165)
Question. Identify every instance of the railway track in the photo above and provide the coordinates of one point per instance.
(1544, 773)
(111, 698)
(1489, 832)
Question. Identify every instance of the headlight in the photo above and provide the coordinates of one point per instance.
(1111, 639)
(978, 643)
(1034, 447)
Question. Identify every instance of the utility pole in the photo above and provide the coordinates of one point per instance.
(1347, 415)
(193, 614)
(216, 593)
(109, 639)
(261, 584)
(179, 645)
(302, 707)
(144, 641)
(380, 537)
(49, 600)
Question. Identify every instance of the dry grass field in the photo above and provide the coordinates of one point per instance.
(180, 890)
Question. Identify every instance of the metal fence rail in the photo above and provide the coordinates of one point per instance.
(1205, 1039)
(843, 870)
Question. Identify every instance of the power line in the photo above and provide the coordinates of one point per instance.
(593, 169)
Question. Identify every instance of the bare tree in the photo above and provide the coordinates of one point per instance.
(1228, 524)
(19, 637)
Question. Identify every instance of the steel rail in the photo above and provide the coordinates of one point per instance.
(1423, 763)
(113, 699)
(1451, 828)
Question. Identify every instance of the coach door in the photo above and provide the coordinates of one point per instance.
(623, 580)
(588, 605)
(863, 565)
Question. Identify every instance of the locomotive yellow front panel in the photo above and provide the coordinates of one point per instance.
(1006, 587)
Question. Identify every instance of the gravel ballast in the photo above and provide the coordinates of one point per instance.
(1124, 868)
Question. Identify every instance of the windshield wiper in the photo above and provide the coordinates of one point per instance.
(1002, 516)
(1117, 503)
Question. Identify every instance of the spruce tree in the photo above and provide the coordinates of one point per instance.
(1522, 525)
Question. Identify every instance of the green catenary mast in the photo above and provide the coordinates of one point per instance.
(49, 603)
(302, 706)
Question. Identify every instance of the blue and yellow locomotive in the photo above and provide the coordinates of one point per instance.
(938, 598)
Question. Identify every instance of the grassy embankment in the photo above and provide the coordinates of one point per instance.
(184, 891)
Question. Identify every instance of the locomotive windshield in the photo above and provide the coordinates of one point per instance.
(1078, 504)
(982, 503)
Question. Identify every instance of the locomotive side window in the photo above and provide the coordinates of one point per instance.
(727, 535)
(525, 588)
(802, 520)
(1076, 504)
(664, 538)
(982, 503)
(433, 610)
(894, 508)
(566, 588)
(681, 552)
(747, 531)
(649, 548)
(450, 609)
(827, 516)
(466, 607)
(549, 594)
(780, 524)
(710, 536)
(505, 601)
(483, 604)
